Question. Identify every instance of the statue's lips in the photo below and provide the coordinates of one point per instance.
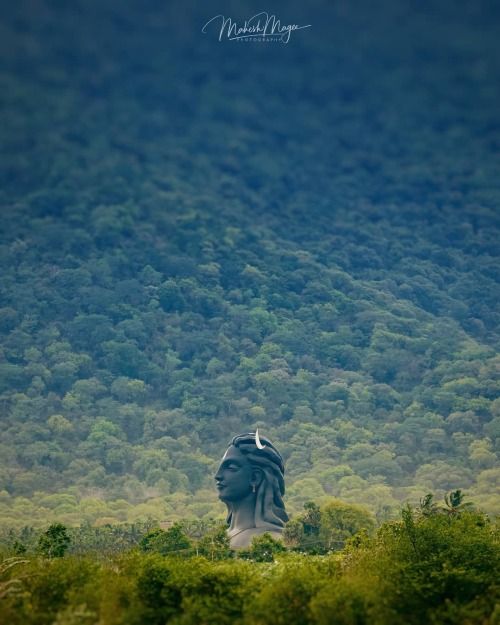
(223, 490)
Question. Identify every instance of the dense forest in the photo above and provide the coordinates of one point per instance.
(434, 565)
(197, 241)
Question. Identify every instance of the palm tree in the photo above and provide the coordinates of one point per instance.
(455, 503)
(427, 506)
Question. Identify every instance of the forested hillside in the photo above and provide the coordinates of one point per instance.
(198, 241)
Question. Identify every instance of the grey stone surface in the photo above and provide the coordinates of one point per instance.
(250, 481)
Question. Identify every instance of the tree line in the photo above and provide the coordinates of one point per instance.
(434, 564)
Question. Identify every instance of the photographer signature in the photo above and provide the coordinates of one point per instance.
(260, 25)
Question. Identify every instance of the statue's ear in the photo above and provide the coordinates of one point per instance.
(257, 476)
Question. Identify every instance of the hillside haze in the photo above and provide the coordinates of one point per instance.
(201, 237)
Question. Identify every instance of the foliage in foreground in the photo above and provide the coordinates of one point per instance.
(319, 529)
(432, 566)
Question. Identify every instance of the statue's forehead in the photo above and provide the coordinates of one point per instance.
(233, 453)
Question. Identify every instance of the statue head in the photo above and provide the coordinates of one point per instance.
(252, 471)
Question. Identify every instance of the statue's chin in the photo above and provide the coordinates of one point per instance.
(228, 498)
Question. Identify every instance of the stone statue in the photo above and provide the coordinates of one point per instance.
(250, 482)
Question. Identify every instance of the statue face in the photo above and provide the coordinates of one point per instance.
(234, 476)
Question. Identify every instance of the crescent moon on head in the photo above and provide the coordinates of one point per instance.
(257, 440)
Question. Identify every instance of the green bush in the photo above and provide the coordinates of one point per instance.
(54, 542)
(172, 540)
(433, 566)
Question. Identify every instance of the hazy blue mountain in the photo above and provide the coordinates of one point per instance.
(199, 237)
